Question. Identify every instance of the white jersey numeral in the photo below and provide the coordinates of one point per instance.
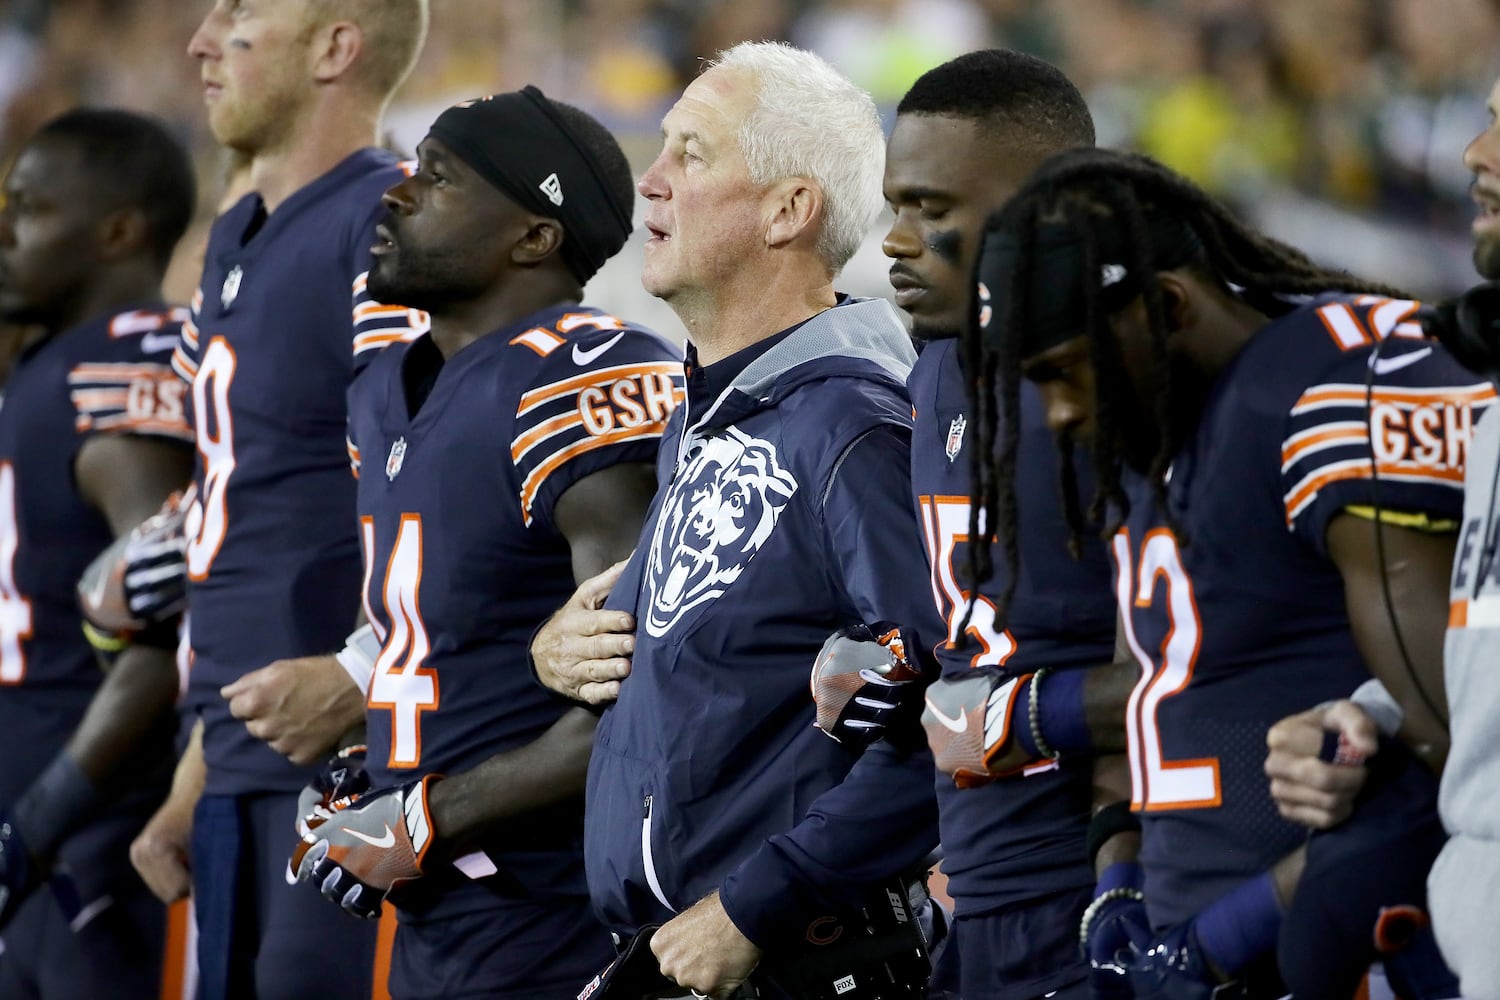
(945, 522)
(207, 520)
(15, 609)
(401, 684)
(1157, 783)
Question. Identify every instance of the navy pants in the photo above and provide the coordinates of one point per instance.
(259, 938)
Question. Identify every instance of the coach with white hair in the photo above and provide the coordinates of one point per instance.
(713, 806)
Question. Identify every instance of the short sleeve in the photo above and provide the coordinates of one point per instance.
(187, 353)
(601, 396)
(141, 393)
(1388, 430)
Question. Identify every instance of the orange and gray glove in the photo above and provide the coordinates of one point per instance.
(369, 845)
(861, 680)
(974, 725)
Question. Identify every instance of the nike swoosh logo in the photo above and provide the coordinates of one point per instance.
(1384, 366)
(154, 343)
(582, 357)
(956, 724)
(389, 840)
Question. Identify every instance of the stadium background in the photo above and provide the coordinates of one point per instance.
(1336, 124)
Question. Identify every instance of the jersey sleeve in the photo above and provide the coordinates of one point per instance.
(597, 399)
(1384, 431)
(187, 353)
(141, 393)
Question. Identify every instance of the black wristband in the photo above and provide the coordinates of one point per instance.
(58, 800)
(1112, 819)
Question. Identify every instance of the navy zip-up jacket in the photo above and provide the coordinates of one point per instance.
(784, 513)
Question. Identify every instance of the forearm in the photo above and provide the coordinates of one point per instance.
(878, 823)
(134, 702)
(549, 770)
(1106, 690)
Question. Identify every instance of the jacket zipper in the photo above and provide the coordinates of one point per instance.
(646, 858)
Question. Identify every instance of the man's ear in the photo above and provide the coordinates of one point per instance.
(543, 237)
(122, 233)
(793, 206)
(335, 49)
(1179, 308)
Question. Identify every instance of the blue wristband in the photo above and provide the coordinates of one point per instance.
(1241, 925)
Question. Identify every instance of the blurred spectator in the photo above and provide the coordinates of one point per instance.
(1339, 111)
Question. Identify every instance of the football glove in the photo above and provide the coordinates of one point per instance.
(1114, 930)
(368, 846)
(342, 776)
(19, 874)
(632, 975)
(971, 725)
(1172, 966)
(859, 680)
(135, 589)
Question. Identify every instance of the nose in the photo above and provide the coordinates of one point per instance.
(1482, 155)
(901, 242)
(653, 184)
(205, 41)
(1066, 409)
(399, 200)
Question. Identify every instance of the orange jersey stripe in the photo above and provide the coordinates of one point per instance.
(542, 431)
(366, 311)
(100, 399)
(383, 338)
(602, 376)
(1299, 445)
(179, 963)
(360, 282)
(1350, 395)
(122, 372)
(1458, 614)
(539, 475)
(385, 942)
(1360, 469)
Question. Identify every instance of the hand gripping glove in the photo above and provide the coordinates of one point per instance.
(633, 974)
(135, 589)
(341, 777)
(1114, 930)
(859, 681)
(971, 725)
(368, 846)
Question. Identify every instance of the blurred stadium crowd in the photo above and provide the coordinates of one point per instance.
(1332, 123)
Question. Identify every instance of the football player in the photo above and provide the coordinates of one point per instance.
(967, 134)
(1277, 445)
(280, 322)
(500, 457)
(93, 437)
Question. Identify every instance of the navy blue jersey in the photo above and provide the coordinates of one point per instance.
(463, 556)
(1244, 622)
(273, 544)
(1018, 840)
(110, 375)
(784, 514)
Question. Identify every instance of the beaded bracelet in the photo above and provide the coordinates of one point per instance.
(1100, 901)
(1034, 714)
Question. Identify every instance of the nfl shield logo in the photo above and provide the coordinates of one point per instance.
(956, 436)
(231, 289)
(396, 457)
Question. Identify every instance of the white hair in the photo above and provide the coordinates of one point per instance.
(810, 121)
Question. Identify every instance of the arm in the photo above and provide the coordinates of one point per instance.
(1416, 568)
(881, 820)
(601, 517)
(127, 478)
(160, 852)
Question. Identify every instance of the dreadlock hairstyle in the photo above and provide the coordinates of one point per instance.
(1080, 241)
